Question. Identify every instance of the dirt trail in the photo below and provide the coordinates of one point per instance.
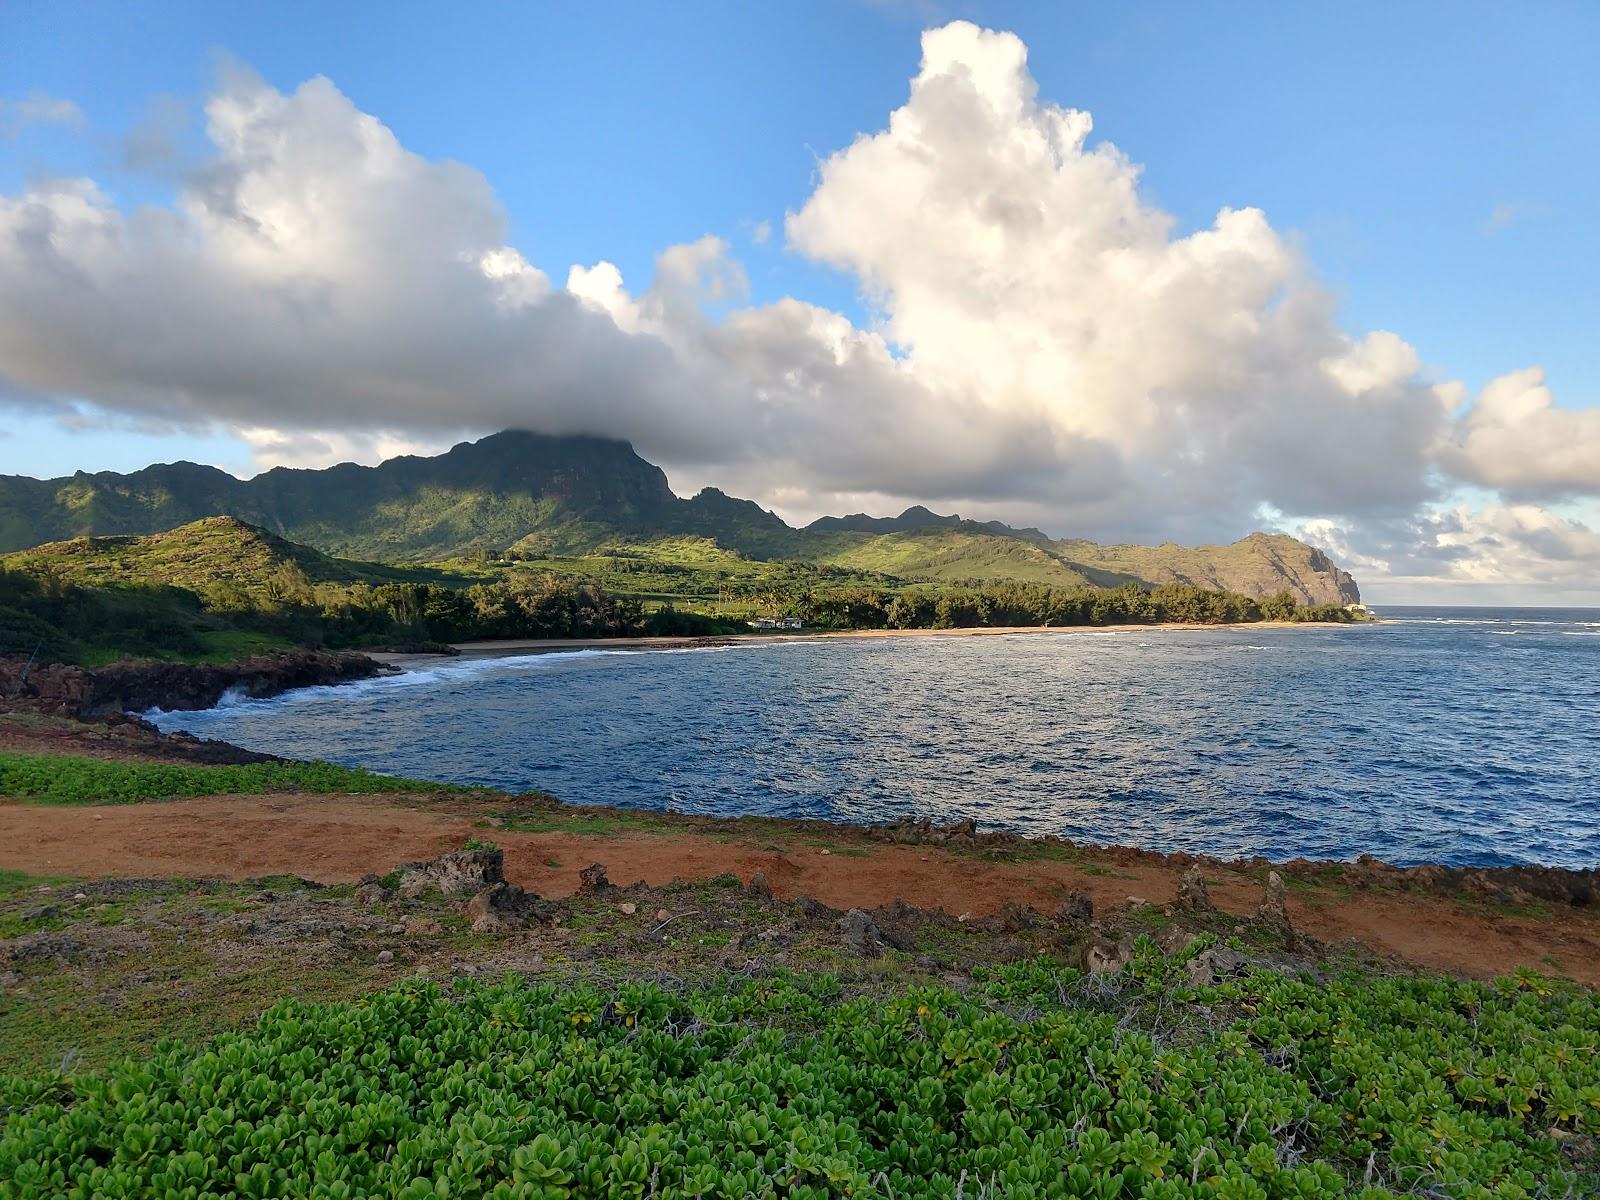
(338, 839)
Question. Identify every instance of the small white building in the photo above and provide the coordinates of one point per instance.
(776, 623)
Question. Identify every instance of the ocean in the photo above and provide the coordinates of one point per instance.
(1462, 736)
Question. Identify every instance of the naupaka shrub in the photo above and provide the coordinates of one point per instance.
(1037, 1083)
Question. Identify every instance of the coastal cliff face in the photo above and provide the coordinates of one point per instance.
(138, 686)
(1258, 566)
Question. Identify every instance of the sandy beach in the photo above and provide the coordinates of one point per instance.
(509, 646)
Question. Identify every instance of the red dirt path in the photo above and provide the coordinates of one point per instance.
(337, 839)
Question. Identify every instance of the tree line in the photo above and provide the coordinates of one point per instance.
(1008, 603)
(75, 623)
(72, 622)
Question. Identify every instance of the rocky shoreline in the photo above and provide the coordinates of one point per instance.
(1514, 885)
(93, 693)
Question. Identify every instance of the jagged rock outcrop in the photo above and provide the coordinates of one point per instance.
(505, 907)
(921, 831)
(370, 890)
(861, 934)
(593, 879)
(1076, 909)
(1213, 965)
(1103, 956)
(458, 873)
(1273, 909)
(1499, 885)
(1192, 893)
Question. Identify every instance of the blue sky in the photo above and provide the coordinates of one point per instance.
(1438, 164)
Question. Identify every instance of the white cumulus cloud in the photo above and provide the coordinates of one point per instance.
(1487, 553)
(1516, 439)
(1044, 344)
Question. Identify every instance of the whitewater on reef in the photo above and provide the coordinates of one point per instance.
(1430, 737)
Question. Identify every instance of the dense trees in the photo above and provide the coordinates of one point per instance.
(85, 624)
(65, 621)
(1031, 604)
(79, 623)
(524, 605)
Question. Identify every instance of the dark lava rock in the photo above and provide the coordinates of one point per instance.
(921, 831)
(504, 907)
(1014, 917)
(135, 686)
(861, 934)
(1215, 964)
(810, 906)
(370, 890)
(593, 879)
(41, 947)
(1076, 909)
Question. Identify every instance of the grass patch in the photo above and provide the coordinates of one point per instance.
(835, 848)
(1027, 851)
(58, 779)
(597, 823)
(12, 882)
(1111, 872)
(158, 1001)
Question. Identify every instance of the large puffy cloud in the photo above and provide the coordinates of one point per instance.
(1515, 438)
(1011, 257)
(318, 281)
(316, 275)
(1046, 345)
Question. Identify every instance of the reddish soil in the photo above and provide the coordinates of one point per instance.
(337, 839)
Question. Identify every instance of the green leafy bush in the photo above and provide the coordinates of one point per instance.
(1264, 1088)
(56, 779)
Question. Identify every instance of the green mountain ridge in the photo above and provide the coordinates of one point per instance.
(915, 519)
(535, 496)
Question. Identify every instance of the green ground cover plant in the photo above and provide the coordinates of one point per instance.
(1038, 1082)
(58, 779)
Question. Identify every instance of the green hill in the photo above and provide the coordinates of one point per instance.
(197, 555)
(530, 496)
(1256, 565)
(943, 554)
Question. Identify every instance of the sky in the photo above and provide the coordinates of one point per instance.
(1130, 272)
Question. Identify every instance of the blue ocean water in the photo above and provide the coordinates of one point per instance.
(1440, 735)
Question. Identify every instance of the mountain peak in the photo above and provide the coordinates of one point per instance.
(545, 494)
